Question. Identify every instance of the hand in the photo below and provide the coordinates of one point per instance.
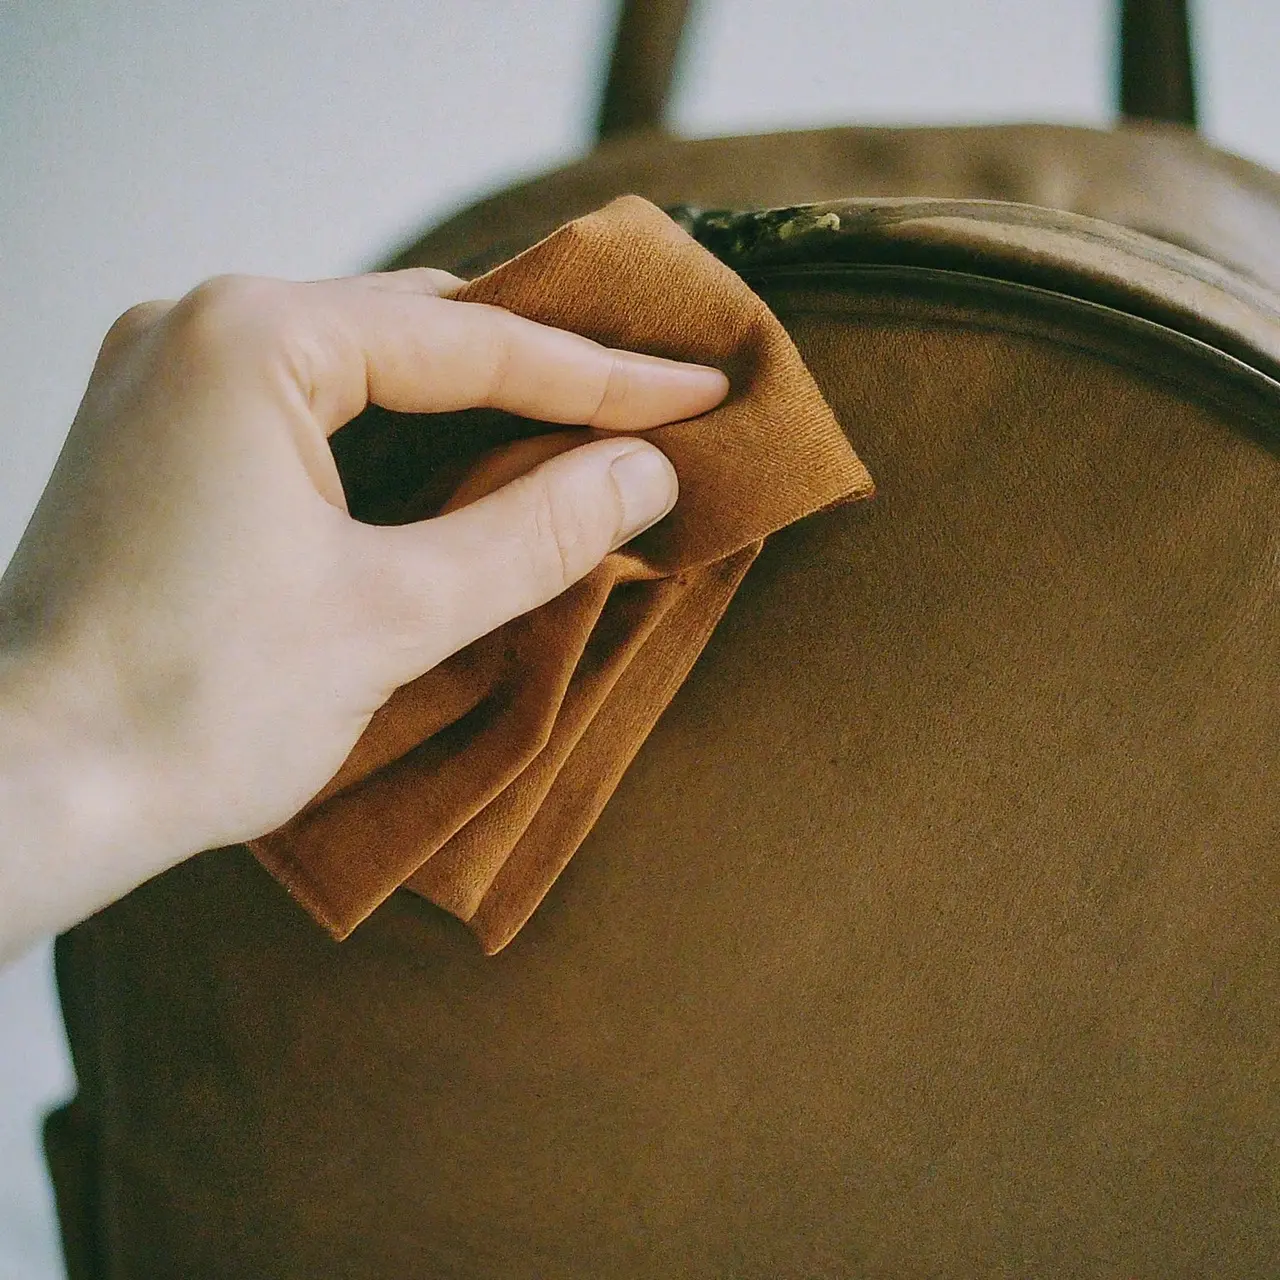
(194, 632)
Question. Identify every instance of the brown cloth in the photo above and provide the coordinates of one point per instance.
(475, 783)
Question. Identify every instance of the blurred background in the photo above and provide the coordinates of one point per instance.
(146, 146)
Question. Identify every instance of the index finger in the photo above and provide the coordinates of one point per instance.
(419, 353)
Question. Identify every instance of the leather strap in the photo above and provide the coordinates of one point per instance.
(1157, 76)
(1156, 79)
(645, 46)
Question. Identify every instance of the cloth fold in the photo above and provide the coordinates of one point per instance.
(475, 784)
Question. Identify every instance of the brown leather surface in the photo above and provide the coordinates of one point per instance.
(932, 932)
(1160, 179)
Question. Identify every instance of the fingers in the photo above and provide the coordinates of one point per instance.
(413, 352)
(392, 339)
(461, 575)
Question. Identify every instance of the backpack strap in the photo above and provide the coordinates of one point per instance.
(1157, 71)
(641, 67)
(1156, 75)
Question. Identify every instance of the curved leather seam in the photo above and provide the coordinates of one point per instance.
(946, 238)
(870, 215)
(950, 299)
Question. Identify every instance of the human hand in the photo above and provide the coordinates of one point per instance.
(194, 632)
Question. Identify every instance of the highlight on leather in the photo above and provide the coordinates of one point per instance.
(475, 784)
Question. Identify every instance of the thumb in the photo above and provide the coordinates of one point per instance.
(513, 549)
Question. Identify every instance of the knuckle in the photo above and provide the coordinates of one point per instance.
(227, 294)
(492, 352)
(230, 290)
(228, 310)
(135, 321)
(614, 388)
(431, 280)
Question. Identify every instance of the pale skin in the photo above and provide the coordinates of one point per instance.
(194, 632)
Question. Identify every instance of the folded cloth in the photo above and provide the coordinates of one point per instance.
(474, 784)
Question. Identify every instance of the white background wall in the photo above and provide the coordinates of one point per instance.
(145, 146)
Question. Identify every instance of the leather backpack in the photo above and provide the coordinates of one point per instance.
(933, 931)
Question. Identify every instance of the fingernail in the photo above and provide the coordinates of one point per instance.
(696, 370)
(704, 376)
(648, 487)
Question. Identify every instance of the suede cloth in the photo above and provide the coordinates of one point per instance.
(475, 783)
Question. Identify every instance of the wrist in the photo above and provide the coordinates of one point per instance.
(70, 805)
